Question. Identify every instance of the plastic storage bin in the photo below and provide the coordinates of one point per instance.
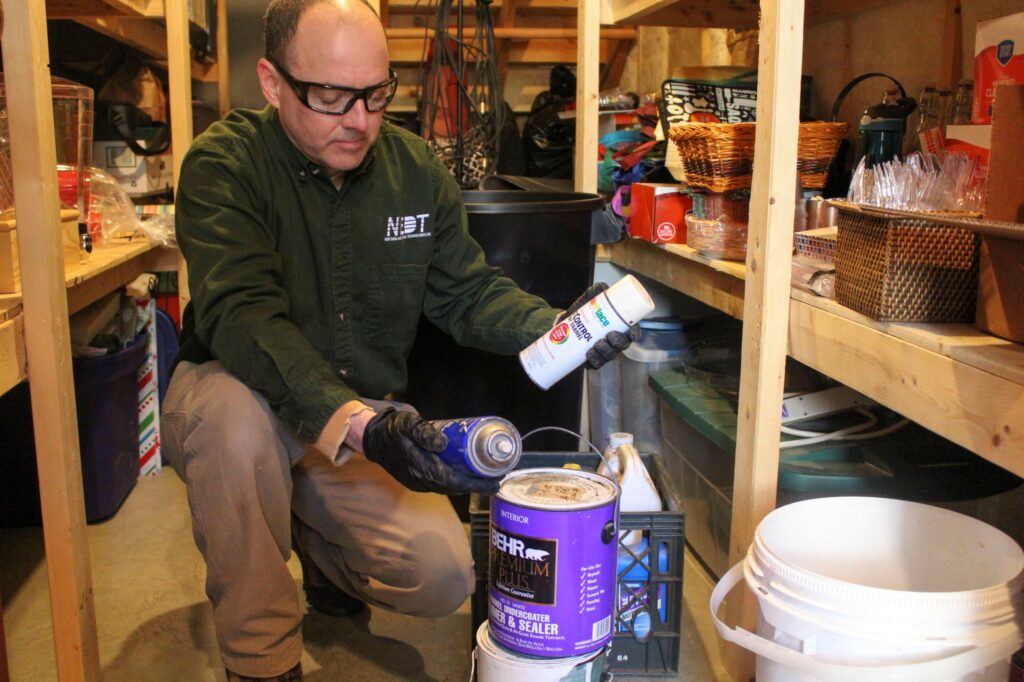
(106, 395)
(649, 613)
(912, 463)
(662, 344)
(541, 240)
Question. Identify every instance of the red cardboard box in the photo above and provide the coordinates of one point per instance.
(997, 61)
(657, 212)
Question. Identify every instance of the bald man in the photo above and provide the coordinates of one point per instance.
(316, 234)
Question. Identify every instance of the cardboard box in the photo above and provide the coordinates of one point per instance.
(1001, 267)
(998, 60)
(657, 212)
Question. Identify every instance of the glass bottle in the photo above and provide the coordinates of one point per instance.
(962, 103)
(927, 117)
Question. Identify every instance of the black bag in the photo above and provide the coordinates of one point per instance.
(126, 122)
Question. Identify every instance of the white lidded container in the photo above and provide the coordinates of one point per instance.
(564, 347)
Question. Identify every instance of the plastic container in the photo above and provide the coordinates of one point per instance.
(106, 397)
(859, 588)
(716, 237)
(106, 394)
(495, 663)
(641, 647)
(662, 344)
(73, 123)
(540, 239)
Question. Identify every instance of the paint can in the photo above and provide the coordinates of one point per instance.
(564, 347)
(495, 663)
(552, 561)
(488, 447)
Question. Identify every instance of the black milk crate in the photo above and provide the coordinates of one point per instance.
(638, 653)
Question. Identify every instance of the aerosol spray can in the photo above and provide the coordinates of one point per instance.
(488, 447)
(565, 346)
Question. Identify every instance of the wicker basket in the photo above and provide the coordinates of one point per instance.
(893, 268)
(720, 156)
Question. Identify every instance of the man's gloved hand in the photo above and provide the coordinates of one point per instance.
(613, 343)
(406, 445)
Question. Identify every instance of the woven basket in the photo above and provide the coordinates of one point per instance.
(893, 268)
(720, 156)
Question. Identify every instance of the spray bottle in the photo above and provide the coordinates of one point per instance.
(564, 347)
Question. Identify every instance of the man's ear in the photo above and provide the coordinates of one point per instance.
(271, 82)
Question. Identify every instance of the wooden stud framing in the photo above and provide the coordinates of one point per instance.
(48, 343)
(179, 61)
(588, 65)
(766, 304)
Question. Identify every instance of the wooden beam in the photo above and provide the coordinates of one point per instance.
(223, 60)
(588, 67)
(506, 20)
(766, 304)
(48, 343)
(75, 9)
(13, 362)
(616, 64)
(952, 47)
(820, 11)
(737, 14)
(180, 89)
(146, 36)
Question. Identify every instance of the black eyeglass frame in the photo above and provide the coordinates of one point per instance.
(301, 90)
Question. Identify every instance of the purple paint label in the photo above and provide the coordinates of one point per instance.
(552, 562)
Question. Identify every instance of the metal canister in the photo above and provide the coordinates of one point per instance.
(488, 447)
(551, 565)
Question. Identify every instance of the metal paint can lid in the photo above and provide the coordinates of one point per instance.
(552, 488)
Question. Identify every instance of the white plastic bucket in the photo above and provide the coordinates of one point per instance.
(495, 663)
(857, 589)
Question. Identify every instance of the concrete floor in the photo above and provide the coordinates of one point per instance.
(155, 623)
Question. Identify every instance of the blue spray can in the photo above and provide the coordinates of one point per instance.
(488, 447)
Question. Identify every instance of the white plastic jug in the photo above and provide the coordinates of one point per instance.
(622, 462)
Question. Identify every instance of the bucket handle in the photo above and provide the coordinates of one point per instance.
(949, 667)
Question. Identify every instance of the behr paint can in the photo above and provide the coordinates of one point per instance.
(564, 347)
(552, 561)
(488, 447)
(495, 663)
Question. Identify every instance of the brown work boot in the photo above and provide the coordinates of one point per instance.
(293, 675)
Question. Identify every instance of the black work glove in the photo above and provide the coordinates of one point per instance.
(406, 445)
(613, 343)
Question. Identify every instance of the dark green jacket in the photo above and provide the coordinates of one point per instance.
(311, 295)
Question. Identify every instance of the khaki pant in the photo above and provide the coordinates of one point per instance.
(246, 477)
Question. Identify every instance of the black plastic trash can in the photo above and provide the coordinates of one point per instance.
(542, 241)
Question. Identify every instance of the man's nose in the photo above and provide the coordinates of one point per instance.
(357, 117)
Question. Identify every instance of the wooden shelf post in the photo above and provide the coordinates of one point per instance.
(47, 340)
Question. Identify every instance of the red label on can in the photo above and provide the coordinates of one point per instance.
(559, 334)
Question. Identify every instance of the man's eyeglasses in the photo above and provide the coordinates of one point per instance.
(337, 100)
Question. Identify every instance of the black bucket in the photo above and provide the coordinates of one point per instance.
(541, 240)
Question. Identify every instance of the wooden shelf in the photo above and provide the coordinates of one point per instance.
(138, 24)
(953, 379)
(111, 266)
(737, 14)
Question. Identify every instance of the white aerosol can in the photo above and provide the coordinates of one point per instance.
(565, 346)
